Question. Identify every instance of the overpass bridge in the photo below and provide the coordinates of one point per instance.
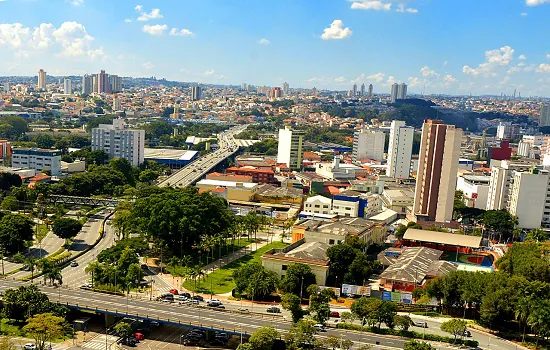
(197, 169)
(91, 202)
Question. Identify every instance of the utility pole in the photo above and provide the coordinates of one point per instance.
(301, 289)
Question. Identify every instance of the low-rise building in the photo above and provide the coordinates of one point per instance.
(354, 204)
(398, 200)
(318, 205)
(38, 159)
(339, 171)
(475, 189)
(263, 176)
(238, 191)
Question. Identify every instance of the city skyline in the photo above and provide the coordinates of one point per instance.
(445, 47)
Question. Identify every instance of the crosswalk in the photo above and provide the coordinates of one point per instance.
(98, 343)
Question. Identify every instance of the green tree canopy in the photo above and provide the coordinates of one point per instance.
(291, 302)
(264, 338)
(66, 228)
(297, 279)
(45, 327)
(15, 231)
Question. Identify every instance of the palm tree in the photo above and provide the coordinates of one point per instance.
(522, 312)
(45, 266)
(186, 260)
(95, 269)
(31, 263)
(196, 272)
(54, 275)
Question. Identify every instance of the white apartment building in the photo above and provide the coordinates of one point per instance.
(118, 142)
(528, 198)
(499, 185)
(37, 159)
(339, 171)
(290, 148)
(507, 131)
(67, 86)
(400, 150)
(318, 205)
(524, 149)
(368, 144)
(475, 189)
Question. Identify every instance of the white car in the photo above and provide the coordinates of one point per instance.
(29, 346)
(320, 327)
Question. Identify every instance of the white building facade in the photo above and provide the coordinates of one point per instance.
(318, 205)
(527, 200)
(118, 142)
(400, 150)
(290, 148)
(37, 159)
(475, 189)
(368, 144)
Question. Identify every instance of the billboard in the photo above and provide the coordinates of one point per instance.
(351, 289)
(386, 296)
(406, 298)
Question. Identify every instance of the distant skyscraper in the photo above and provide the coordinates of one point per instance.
(286, 88)
(116, 83)
(103, 84)
(117, 106)
(544, 118)
(276, 92)
(371, 88)
(363, 89)
(87, 84)
(402, 91)
(437, 169)
(195, 93)
(400, 150)
(244, 87)
(41, 80)
(95, 83)
(67, 86)
(354, 90)
(394, 89)
(290, 150)
(119, 142)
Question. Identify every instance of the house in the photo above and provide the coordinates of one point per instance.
(239, 191)
(318, 205)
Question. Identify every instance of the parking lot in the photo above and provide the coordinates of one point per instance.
(168, 337)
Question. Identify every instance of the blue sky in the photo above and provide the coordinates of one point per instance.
(436, 46)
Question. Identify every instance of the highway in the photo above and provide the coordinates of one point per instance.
(217, 319)
(200, 167)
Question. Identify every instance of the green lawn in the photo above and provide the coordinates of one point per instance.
(8, 328)
(41, 232)
(221, 280)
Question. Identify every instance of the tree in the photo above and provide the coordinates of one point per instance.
(456, 327)
(15, 231)
(319, 303)
(24, 302)
(264, 338)
(291, 302)
(66, 228)
(7, 344)
(500, 221)
(417, 345)
(417, 293)
(10, 203)
(44, 327)
(297, 279)
(9, 180)
(262, 283)
(400, 232)
(44, 141)
(54, 275)
(340, 257)
(537, 235)
(123, 329)
(347, 317)
(333, 342)
(375, 311)
(403, 322)
(301, 333)
(360, 269)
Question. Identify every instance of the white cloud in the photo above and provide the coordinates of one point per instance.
(371, 5)
(543, 68)
(493, 59)
(522, 57)
(402, 8)
(264, 41)
(336, 31)
(377, 78)
(428, 73)
(521, 64)
(340, 80)
(148, 65)
(316, 80)
(181, 32)
(449, 79)
(74, 39)
(211, 74)
(548, 56)
(523, 14)
(128, 20)
(75, 2)
(42, 35)
(414, 81)
(144, 16)
(536, 2)
(513, 70)
(155, 30)
(391, 80)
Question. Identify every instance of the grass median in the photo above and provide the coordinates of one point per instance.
(221, 280)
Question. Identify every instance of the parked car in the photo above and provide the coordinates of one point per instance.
(421, 324)
(320, 327)
(334, 314)
(29, 346)
(243, 309)
(191, 342)
(139, 336)
(467, 333)
(213, 303)
(274, 310)
(127, 341)
(74, 263)
(187, 295)
(198, 297)
(87, 286)
(155, 324)
(221, 335)
(174, 291)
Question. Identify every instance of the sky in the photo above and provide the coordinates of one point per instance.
(435, 46)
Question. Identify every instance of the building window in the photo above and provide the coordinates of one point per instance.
(331, 241)
(283, 267)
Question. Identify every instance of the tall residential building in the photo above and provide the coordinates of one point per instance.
(103, 84)
(87, 84)
(507, 131)
(371, 90)
(527, 199)
(41, 80)
(118, 142)
(5, 149)
(275, 92)
(363, 89)
(524, 149)
(400, 150)
(67, 86)
(368, 144)
(116, 83)
(544, 117)
(286, 88)
(195, 93)
(501, 178)
(117, 106)
(402, 91)
(437, 170)
(290, 150)
(95, 84)
(37, 159)
(394, 90)
(244, 87)
(354, 90)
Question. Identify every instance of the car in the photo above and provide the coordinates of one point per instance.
(334, 314)
(181, 298)
(320, 327)
(87, 286)
(198, 297)
(174, 291)
(467, 333)
(218, 300)
(191, 342)
(139, 336)
(273, 310)
(74, 264)
(127, 341)
(221, 335)
(217, 342)
(220, 307)
(213, 303)
(187, 295)
(198, 330)
(421, 324)
(155, 324)
(29, 346)
(243, 309)
(26, 268)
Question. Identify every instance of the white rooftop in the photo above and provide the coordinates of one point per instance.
(220, 183)
(319, 198)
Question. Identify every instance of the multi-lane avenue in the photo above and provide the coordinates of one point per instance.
(197, 169)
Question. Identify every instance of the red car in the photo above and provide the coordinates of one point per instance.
(191, 342)
(139, 336)
(174, 291)
(334, 314)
